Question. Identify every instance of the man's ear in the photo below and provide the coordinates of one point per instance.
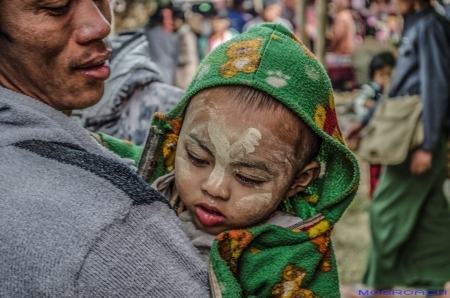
(304, 178)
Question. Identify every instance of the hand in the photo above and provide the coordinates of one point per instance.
(421, 161)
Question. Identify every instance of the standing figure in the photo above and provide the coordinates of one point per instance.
(221, 32)
(409, 214)
(271, 14)
(188, 54)
(163, 43)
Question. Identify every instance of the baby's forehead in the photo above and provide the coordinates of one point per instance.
(219, 105)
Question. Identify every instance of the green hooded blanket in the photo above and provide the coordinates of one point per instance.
(268, 260)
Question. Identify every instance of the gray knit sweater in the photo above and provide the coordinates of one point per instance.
(75, 221)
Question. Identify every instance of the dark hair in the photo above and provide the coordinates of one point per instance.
(267, 3)
(178, 13)
(157, 17)
(380, 61)
(237, 3)
(218, 14)
(308, 144)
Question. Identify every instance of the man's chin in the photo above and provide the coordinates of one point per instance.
(86, 99)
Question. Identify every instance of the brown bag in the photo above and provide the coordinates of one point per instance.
(395, 129)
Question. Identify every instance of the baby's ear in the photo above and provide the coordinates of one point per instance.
(304, 178)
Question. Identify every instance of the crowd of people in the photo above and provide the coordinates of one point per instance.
(358, 29)
(202, 156)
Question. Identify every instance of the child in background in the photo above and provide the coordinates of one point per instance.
(221, 32)
(253, 162)
(380, 72)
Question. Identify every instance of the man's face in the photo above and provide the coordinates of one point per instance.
(55, 51)
(233, 166)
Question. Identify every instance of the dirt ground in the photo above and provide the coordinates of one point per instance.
(351, 236)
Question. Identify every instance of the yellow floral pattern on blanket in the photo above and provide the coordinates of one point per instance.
(243, 57)
(291, 285)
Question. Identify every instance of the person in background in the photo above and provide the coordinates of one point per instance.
(364, 53)
(409, 214)
(238, 16)
(221, 32)
(271, 14)
(163, 43)
(288, 12)
(188, 53)
(343, 32)
(341, 38)
(380, 73)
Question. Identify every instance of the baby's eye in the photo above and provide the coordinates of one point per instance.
(196, 161)
(247, 181)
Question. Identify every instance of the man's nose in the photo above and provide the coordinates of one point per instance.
(92, 20)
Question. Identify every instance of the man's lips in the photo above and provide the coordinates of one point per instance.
(95, 69)
(209, 215)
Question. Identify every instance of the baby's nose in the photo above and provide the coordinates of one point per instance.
(216, 195)
(216, 191)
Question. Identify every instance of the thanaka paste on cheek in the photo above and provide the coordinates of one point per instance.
(182, 167)
(254, 205)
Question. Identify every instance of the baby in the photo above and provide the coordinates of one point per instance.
(240, 152)
(253, 162)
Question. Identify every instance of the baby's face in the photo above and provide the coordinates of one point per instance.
(232, 166)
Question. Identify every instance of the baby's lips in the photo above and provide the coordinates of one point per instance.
(209, 217)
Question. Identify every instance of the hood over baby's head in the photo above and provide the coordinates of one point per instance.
(271, 59)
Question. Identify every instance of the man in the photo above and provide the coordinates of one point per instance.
(163, 42)
(271, 14)
(343, 32)
(409, 214)
(75, 220)
(238, 15)
(188, 52)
